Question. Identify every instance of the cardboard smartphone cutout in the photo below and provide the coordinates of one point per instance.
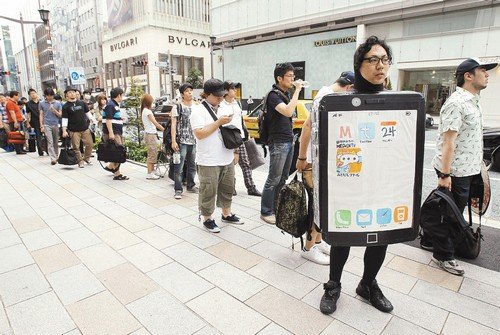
(368, 152)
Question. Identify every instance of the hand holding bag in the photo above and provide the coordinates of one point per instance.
(231, 136)
(16, 137)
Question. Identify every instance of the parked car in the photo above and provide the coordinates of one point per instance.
(162, 113)
(299, 117)
(429, 121)
(491, 148)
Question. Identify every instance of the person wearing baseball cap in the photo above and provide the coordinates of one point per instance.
(215, 162)
(459, 152)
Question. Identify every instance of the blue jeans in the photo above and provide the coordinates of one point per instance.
(188, 153)
(281, 155)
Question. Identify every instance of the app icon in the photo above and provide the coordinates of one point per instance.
(384, 216)
(342, 218)
(364, 217)
(366, 131)
(400, 214)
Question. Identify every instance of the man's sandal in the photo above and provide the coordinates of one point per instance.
(121, 177)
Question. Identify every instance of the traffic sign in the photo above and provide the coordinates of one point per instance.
(77, 75)
(162, 64)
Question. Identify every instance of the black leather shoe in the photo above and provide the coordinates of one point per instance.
(328, 303)
(374, 295)
(254, 192)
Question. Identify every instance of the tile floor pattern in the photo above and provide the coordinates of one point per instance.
(83, 254)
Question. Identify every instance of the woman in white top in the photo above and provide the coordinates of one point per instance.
(150, 133)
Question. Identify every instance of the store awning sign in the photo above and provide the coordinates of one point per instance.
(335, 41)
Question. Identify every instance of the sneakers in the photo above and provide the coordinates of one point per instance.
(271, 219)
(426, 243)
(231, 219)
(324, 247)
(80, 165)
(316, 256)
(211, 226)
(152, 176)
(254, 192)
(328, 303)
(178, 195)
(450, 266)
(374, 295)
(88, 162)
(193, 189)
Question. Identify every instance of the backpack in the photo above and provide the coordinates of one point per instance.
(167, 138)
(263, 119)
(293, 209)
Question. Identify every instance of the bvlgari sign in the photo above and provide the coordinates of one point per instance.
(188, 41)
(123, 44)
(335, 41)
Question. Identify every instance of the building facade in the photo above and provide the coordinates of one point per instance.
(45, 56)
(35, 81)
(8, 66)
(156, 44)
(428, 38)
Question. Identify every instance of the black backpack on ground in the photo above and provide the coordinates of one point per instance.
(263, 119)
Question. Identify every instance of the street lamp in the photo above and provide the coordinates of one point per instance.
(212, 41)
(44, 16)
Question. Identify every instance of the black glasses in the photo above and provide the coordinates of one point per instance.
(373, 60)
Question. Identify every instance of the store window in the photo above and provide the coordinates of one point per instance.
(435, 85)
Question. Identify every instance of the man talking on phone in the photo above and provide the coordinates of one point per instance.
(50, 113)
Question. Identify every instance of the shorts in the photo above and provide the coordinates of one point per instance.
(152, 146)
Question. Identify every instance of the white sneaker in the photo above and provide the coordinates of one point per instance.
(178, 195)
(152, 176)
(80, 164)
(316, 256)
(271, 219)
(450, 266)
(324, 247)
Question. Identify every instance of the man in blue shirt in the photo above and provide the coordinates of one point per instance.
(50, 114)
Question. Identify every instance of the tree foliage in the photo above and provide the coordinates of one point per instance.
(195, 78)
(133, 105)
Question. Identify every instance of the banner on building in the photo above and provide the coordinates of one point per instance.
(119, 12)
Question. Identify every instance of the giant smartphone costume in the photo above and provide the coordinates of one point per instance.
(368, 152)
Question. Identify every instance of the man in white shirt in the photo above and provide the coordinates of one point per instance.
(215, 162)
(231, 106)
(459, 150)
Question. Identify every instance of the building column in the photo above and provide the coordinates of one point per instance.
(360, 34)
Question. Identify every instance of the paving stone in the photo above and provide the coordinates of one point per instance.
(238, 317)
(337, 327)
(178, 211)
(481, 291)
(73, 332)
(274, 329)
(169, 222)
(119, 238)
(279, 254)
(399, 326)
(63, 223)
(454, 302)
(288, 281)
(22, 284)
(305, 320)
(146, 211)
(74, 284)
(55, 258)
(235, 255)
(407, 251)
(9, 237)
(318, 272)
(272, 234)
(133, 222)
(459, 325)
(239, 237)
(426, 272)
(198, 236)
(98, 223)
(145, 257)
(5, 328)
(82, 211)
(208, 330)
(50, 212)
(180, 282)
(159, 309)
(127, 283)
(190, 256)
(14, 257)
(102, 314)
(41, 315)
(80, 238)
(40, 239)
(28, 224)
(141, 331)
(100, 257)
(482, 275)
(158, 237)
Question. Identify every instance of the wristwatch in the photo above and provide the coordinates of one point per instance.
(443, 175)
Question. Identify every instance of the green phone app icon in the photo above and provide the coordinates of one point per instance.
(343, 218)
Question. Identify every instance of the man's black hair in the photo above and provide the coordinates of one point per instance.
(49, 91)
(86, 92)
(31, 90)
(461, 79)
(364, 48)
(281, 69)
(115, 92)
(13, 93)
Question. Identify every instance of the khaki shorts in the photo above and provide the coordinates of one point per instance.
(151, 144)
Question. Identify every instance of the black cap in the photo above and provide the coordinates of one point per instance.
(215, 87)
(184, 87)
(471, 63)
(230, 84)
(69, 88)
(347, 76)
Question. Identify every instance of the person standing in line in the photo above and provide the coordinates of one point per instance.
(372, 61)
(101, 102)
(33, 115)
(15, 118)
(231, 106)
(459, 150)
(113, 128)
(280, 108)
(249, 103)
(151, 127)
(183, 141)
(50, 114)
(315, 248)
(75, 116)
(215, 162)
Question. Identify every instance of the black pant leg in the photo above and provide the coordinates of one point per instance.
(338, 258)
(373, 259)
(38, 135)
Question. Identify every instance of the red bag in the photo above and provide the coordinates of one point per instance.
(16, 137)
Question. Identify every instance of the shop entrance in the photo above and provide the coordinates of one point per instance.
(435, 85)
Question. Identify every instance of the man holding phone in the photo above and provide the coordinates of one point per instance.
(50, 113)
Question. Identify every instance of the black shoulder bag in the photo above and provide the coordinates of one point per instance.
(231, 136)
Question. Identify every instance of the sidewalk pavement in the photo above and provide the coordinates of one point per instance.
(83, 254)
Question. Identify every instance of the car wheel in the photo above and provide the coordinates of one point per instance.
(495, 161)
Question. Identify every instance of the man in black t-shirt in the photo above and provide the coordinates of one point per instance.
(75, 116)
(33, 113)
(280, 109)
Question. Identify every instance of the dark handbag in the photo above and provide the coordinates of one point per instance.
(110, 151)
(67, 156)
(3, 138)
(231, 136)
(16, 137)
(254, 155)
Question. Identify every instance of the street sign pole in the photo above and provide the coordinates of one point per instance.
(171, 76)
